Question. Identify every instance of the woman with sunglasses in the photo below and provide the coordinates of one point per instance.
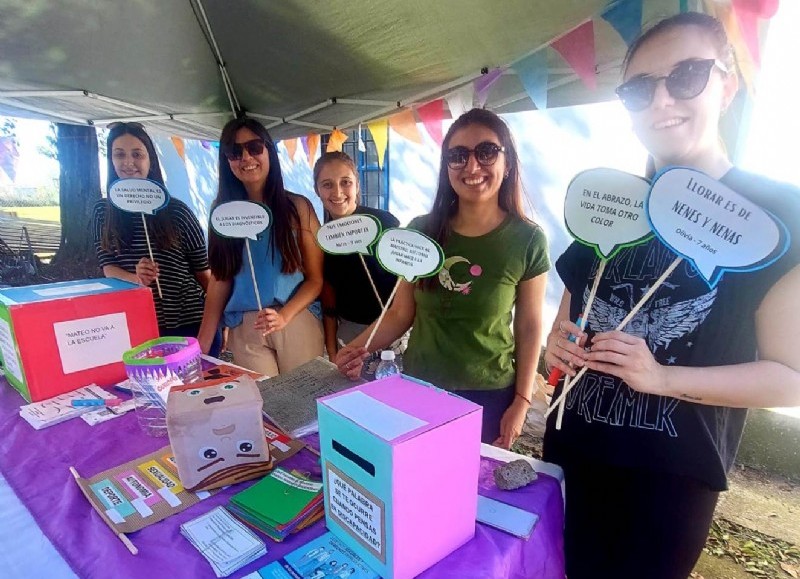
(651, 430)
(495, 262)
(178, 243)
(287, 262)
(349, 297)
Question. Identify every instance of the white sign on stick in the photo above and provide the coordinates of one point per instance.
(604, 209)
(711, 225)
(409, 254)
(242, 219)
(138, 195)
(351, 234)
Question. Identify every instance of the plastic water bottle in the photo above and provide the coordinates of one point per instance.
(387, 366)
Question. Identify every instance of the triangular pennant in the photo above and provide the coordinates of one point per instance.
(380, 134)
(304, 144)
(405, 125)
(532, 72)
(460, 101)
(724, 13)
(291, 148)
(577, 48)
(206, 145)
(335, 141)
(313, 145)
(747, 14)
(431, 114)
(625, 16)
(179, 146)
(483, 83)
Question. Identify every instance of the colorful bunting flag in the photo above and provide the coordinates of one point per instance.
(405, 124)
(460, 101)
(724, 13)
(380, 134)
(313, 145)
(431, 114)
(335, 141)
(532, 73)
(361, 146)
(625, 16)
(304, 144)
(747, 14)
(483, 83)
(291, 148)
(577, 48)
(179, 146)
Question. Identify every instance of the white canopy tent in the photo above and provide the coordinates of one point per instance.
(187, 66)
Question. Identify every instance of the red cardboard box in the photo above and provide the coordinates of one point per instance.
(60, 336)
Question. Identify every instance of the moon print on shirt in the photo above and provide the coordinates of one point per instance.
(446, 277)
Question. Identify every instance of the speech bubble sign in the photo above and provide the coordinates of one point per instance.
(241, 219)
(409, 254)
(138, 195)
(604, 209)
(351, 234)
(711, 225)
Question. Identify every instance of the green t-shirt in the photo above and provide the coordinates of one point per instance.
(461, 337)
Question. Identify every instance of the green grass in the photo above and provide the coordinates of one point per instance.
(45, 213)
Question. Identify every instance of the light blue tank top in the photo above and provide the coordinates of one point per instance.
(275, 288)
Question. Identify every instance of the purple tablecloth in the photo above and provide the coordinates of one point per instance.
(36, 465)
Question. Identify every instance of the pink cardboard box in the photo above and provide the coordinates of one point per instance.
(400, 462)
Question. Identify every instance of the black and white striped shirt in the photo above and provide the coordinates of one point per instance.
(183, 299)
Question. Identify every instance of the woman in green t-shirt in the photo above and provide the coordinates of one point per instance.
(495, 262)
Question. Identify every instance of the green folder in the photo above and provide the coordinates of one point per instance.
(278, 498)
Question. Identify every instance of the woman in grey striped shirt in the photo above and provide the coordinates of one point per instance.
(177, 241)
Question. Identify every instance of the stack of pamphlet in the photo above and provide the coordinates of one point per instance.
(325, 556)
(225, 542)
(281, 503)
(290, 399)
(59, 408)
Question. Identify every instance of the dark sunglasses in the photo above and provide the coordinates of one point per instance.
(253, 148)
(687, 80)
(116, 124)
(485, 154)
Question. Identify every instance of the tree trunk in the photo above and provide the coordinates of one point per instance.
(79, 190)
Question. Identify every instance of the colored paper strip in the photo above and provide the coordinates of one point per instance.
(577, 48)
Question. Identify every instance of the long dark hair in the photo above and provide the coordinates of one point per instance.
(225, 254)
(118, 225)
(445, 204)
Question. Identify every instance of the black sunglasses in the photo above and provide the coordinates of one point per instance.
(115, 124)
(485, 154)
(253, 148)
(687, 80)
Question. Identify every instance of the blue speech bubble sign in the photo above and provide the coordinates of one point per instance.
(711, 225)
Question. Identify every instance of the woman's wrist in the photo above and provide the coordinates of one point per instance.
(519, 396)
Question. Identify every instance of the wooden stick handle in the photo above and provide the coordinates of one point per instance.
(383, 313)
(253, 273)
(150, 251)
(371, 282)
(121, 536)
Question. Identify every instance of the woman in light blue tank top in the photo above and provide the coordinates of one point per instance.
(287, 262)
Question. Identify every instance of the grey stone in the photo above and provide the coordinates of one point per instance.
(514, 475)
